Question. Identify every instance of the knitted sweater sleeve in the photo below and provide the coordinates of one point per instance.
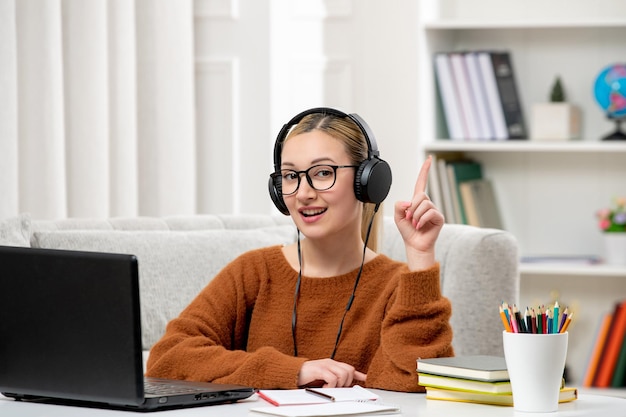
(207, 342)
(416, 325)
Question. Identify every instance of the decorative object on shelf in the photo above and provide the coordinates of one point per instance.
(612, 221)
(556, 120)
(610, 93)
(615, 248)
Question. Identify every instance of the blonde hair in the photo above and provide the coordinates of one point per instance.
(348, 133)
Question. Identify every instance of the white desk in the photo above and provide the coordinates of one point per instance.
(411, 405)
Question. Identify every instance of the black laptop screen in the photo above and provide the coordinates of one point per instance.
(70, 325)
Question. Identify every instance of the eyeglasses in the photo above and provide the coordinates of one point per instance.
(319, 177)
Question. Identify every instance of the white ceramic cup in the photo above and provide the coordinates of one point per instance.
(535, 363)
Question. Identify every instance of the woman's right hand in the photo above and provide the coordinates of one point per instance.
(329, 373)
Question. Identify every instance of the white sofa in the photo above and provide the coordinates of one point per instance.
(179, 255)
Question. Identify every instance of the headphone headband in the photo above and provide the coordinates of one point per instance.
(372, 147)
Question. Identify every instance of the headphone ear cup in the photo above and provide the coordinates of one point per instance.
(372, 181)
(276, 194)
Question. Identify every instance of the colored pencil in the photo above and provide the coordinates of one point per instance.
(505, 322)
(568, 320)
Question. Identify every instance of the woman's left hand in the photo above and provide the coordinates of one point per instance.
(419, 223)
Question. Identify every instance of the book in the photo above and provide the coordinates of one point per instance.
(348, 408)
(566, 394)
(480, 96)
(465, 96)
(283, 397)
(434, 185)
(459, 172)
(456, 203)
(509, 97)
(598, 346)
(479, 200)
(462, 384)
(449, 97)
(619, 375)
(470, 206)
(613, 345)
(446, 192)
(494, 107)
(478, 367)
(447, 205)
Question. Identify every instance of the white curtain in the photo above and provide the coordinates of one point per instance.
(97, 108)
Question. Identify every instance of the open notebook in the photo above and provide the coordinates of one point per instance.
(71, 332)
(318, 402)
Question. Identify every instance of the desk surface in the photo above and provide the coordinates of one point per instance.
(414, 405)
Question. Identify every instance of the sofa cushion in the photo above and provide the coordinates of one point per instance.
(173, 265)
(15, 231)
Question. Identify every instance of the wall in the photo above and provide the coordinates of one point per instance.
(259, 63)
(155, 107)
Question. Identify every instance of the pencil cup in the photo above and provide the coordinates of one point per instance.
(535, 363)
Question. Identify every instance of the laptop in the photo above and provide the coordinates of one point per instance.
(70, 332)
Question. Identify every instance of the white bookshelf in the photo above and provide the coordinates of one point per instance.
(548, 192)
(518, 146)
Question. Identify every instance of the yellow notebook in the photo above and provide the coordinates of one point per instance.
(447, 382)
(566, 394)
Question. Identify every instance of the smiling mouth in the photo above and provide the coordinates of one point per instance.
(311, 213)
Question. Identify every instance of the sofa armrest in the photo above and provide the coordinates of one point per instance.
(479, 270)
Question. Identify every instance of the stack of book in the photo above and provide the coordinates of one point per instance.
(606, 367)
(481, 379)
(479, 95)
(458, 188)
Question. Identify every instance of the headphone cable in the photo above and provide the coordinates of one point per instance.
(350, 300)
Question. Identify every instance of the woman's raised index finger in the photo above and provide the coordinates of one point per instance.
(422, 178)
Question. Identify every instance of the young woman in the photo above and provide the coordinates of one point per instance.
(327, 310)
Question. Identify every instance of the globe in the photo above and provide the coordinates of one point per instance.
(610, 92)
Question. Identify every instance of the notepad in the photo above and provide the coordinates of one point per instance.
(346, 408)
(283, 397)
(479, 367)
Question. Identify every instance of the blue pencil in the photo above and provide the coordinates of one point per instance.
(555, 318)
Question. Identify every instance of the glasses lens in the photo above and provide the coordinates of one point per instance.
(290, 180)
(322, 177)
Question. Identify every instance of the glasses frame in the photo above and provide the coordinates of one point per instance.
(277, 176)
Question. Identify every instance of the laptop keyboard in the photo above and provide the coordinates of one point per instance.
(166, 388)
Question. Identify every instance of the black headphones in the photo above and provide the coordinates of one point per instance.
(373, 176)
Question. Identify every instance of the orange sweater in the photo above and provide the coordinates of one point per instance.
(238, 329)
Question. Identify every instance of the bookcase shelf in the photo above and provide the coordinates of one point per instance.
(548, 192)
(565, 270)
(447, 25)
(526, 146)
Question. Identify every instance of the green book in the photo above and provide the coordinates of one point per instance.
(459, 172)
(478, 367)
(619, 374)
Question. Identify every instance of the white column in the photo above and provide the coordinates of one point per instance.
(8, 111)
(40, 109)
(86, 104)
(123, 108)
(165, 55)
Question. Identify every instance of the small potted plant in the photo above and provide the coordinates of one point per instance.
(557, 119)
(612, 221)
